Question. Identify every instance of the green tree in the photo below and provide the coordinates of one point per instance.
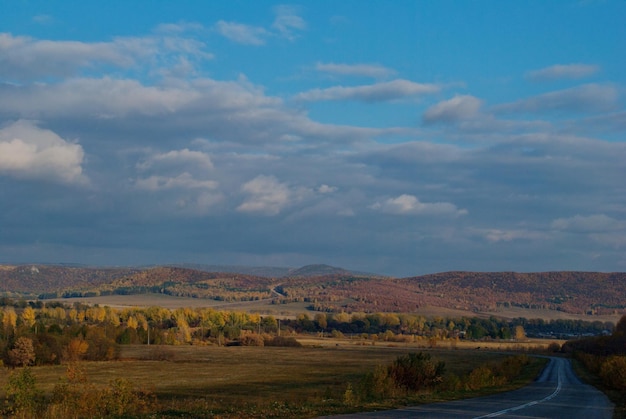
(22, 393)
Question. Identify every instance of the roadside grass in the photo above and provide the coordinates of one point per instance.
(255, 382)
(616, 396)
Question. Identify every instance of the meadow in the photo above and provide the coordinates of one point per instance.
(307, 381)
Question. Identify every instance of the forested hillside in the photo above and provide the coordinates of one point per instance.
(339, 290)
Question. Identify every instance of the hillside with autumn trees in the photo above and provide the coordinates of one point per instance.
(327, 289)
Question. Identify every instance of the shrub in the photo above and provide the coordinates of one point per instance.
(283, 341)
(377, 385)
(252, 340)
(613, 372)
(480, 377)
(22, 393)
(77, 398)
(416, 371)
(511, 367)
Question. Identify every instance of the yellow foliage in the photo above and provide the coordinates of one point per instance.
(76, 349)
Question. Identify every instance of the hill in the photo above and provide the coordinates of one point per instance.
(330, 289)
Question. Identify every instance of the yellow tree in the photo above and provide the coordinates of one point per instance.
(29, 316)
(76, 349)
(9, 319)
(59, 313)
(520, 333)
(132, 322)
(73, 315)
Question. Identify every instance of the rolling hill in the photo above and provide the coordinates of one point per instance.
(330, 289)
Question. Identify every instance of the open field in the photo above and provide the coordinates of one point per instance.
(293, 309)
(241, 379)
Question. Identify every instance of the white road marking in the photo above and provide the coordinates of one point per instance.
(534, 402)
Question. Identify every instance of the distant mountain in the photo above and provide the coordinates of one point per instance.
(317, 270)
(275, 271)
(265, 271)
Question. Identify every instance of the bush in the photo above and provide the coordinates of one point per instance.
(77, 398)
(377, 385)
(252, 340)
(480, 377)
(613, 372)
(511, 367)
(416, 371)
(283, 341)
(22, 393)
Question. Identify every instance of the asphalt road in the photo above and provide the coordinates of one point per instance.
(557, 393)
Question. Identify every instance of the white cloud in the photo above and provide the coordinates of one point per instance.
(460, 107)
(563, 71)
(24, 58)
(109, 98)
(266, 195)
(585, 98)
(27, 151)
(241, 33)
(595, 223)
(495, 235)
(182, 157)
(287, 21)
(409, 205)
(380, 92)
(365, 70)
(182, 181)
(325, 189)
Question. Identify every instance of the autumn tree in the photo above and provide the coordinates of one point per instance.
(520, 333)
(23, 352)
(9, 320)
(28, 317)
(75, 349)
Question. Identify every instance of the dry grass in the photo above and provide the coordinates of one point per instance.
(239, 379)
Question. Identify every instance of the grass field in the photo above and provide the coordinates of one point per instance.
(256, 381)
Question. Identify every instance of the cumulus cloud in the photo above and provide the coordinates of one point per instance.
(266, 195)
(379, 92)
(585, 98)
(460, 107)
(182, 181)
(182, 157)
(27, 151)
(563, 71)
(364, 70)
(241, 33)
(409, 205)
(596, 223)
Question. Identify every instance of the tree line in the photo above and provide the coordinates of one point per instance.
(43, 333)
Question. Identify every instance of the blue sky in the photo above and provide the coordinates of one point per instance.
(396, 137)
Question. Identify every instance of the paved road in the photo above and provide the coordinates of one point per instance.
(557, 393)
